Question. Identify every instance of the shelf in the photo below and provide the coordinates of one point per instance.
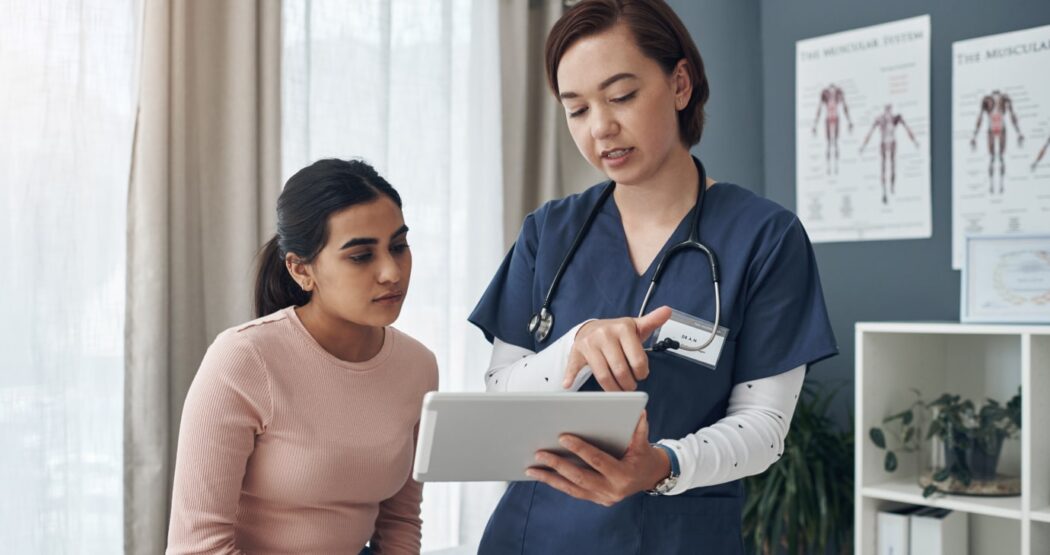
(952, 328)
(974, 361)
(1042, 515)
(909, 492)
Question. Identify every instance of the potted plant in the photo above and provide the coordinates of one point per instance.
(972, 439)
(804, 502)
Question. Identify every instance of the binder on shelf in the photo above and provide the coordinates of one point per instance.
(893, 527)
(939, 532)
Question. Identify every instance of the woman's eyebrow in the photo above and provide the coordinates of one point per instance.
(371, 240)
(359, 241)
(604, 84)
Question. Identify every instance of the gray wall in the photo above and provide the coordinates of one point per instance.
(749, 49)
(880, 280)
(726, 32)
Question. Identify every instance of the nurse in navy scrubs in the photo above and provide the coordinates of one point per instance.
(633, 88)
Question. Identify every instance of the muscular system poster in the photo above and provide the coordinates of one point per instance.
(862, 111)
(1000, 136)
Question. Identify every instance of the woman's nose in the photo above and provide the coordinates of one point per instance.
(603, 124)
(389, 270)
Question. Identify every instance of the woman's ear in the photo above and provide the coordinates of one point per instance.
(683, 85)
(301, 272)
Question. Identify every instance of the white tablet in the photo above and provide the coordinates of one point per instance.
(475, 437)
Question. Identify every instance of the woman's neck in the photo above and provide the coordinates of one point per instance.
(345, 340)
(665, 197)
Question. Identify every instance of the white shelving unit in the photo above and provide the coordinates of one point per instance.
(976, 361)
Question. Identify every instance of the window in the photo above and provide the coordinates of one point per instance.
(67, 111)
(413, 88)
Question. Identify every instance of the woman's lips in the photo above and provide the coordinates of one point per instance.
(389, 298)
(617, 156)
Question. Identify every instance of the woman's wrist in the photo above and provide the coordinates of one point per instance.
(661, 469)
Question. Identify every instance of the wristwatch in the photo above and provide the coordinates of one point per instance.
(667, 484)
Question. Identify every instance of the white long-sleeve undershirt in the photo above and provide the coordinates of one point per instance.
(745, 442)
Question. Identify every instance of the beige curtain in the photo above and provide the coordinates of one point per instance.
(540, 161)
(203, 186)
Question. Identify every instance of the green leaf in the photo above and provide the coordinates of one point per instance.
(929, 490)
(935, 429)
(943, 400)
(891, 461)
(804, 502)
(907, 417)
(942, 474)
(878, 438)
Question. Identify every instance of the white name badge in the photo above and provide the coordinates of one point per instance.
(690, 331)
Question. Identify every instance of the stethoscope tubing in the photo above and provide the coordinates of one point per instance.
(714, 330)
(542, 322)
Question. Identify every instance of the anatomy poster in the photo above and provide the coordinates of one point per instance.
(862, 111)
(1000, 136)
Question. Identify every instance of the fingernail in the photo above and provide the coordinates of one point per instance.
(538, 457)
(564, 441)
(532, 474)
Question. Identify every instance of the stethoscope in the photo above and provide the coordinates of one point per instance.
(541, 323)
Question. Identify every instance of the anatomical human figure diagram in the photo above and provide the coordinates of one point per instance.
(996, 105)
(887, 123)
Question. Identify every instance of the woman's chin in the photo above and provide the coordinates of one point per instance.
(384, 315)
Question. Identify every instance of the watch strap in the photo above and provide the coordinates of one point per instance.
(668, 483)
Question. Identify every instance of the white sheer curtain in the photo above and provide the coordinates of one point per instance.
(66, 121)
(412, 86)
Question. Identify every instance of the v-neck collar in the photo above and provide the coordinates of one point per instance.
(676, 236)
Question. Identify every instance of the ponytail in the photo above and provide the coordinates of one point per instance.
(274, 287)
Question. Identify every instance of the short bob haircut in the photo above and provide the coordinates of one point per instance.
(660, 35)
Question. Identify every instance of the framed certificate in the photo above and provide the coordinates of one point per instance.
(1006, 279)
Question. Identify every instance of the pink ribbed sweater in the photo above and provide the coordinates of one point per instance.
(285, 448)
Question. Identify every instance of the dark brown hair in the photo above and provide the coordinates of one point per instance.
(660, 35)
(311, 195)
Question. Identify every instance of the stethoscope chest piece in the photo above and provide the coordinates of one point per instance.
(540, 324)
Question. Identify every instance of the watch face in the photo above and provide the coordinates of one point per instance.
(667, 485)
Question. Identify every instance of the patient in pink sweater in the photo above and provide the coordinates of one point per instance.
(299, 429)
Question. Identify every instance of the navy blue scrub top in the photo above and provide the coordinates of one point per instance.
(772, 304)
